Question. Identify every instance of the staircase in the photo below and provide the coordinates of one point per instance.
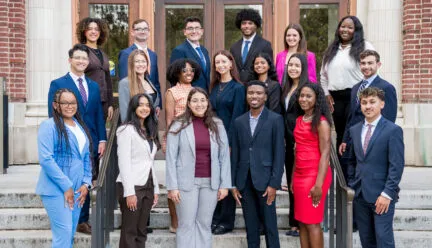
(24, 222)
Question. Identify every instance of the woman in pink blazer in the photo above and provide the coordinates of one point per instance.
(295, 42)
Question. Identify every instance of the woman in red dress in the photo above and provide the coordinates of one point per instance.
(312, 175)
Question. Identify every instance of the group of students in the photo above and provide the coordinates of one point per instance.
(234, 123)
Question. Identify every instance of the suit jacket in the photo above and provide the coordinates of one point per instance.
(380, 168)
(92, 113)
(180, 158)
(124, 96)
(258, 45)
(185, 50)
(154, 73)
(100, 73)
(262, 153)
(274, 95)
(229, 104)
(61, 171)
(290, 117)
(389, 111)
(135, 160)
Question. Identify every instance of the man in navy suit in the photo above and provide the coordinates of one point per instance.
(140, 32)
(89, 107)
(245, 50)
(257, 165)
(375, 168)
(192, 49)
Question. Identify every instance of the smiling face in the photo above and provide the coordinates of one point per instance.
(294, 68)
(187, 74)
(78, 62)
(292, 38)
(307, 100)
(256, 96)
(198, 104)
(92, 32)
(346, 30)
(143, 109)
(369, 66)
(223, 64)
(141, 32)
(248, 28)
(261, 66)
(67, 105)
(193, 31)
(140, 64)
(371, 107)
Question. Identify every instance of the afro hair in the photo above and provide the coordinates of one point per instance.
(248, 15)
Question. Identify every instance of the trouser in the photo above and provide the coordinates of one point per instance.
(342, 102)
(376, 230)
(63, 220)
(195, 212)
(134, 223)
(289, 164)
(224, 214)
(85, 211)
(254, 204)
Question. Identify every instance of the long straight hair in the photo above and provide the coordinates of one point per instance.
(302, 46)
(304, 76)
(216, 76)
(135, 86)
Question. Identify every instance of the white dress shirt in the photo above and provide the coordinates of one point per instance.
(84, 82)
(79, 135)
(250, 44)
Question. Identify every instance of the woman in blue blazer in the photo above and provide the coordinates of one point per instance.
(64, 155)
(227, 97)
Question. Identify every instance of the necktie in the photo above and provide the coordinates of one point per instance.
(82, 91)
(362, 87)
(367, 138)
(201, 55)
(245, 51)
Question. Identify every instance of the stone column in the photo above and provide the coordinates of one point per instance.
(48, 37)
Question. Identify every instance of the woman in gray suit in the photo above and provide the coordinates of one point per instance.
(198, 170)
(137, 81)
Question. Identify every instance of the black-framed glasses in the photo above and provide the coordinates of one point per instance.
(193, 28)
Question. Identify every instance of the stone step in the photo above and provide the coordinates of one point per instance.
(408, 199)
(164, 239)
(36, 218)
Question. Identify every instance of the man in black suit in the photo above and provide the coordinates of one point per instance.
(192, 49)
(257, 165)
(244, 50)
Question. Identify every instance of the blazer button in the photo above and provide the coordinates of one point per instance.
(250, 148)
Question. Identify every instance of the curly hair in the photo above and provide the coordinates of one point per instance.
(216, 76)
(302, 46)
(150, 131)
(357, 42)
(61, 129)
(304, 76)
(186, 118)
(175, 69)
(82, 27)
(320, 107)
(248, 15)
(271, 73)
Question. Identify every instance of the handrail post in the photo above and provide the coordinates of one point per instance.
(4, 129)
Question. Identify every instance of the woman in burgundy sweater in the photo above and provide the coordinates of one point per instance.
(198, 170)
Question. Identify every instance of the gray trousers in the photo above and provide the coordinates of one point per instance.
(195, 213)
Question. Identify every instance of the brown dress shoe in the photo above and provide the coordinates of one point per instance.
(84, 228)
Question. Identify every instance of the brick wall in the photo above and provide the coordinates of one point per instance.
(417, 51)
(13, 47)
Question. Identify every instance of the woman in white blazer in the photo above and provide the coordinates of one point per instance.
(137, 185)
(198, 170)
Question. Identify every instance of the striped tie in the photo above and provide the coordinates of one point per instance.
(82, 91)
(362, 87)
(367, 138)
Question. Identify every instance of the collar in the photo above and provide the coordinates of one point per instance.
(194, 46)
(374, 123)
(371, 79)
(75, 77)
(251, 117)
(250, 39)
(140, 47)
(343, 49)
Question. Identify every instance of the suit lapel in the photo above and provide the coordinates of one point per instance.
(191, 137)
(358, 142)
(252, 48)
(75, 90)
(376, 133)
(261, 121)
(193, 51)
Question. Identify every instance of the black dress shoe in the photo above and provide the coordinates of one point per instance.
(213, 227)
(149, 230)
(219, 230)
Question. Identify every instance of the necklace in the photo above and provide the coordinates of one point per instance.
(222, 86)
(307, 118)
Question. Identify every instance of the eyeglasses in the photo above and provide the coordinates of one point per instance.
(93, 29)
(80, 58)
(141, 29)
(193, 29)
(144, 62)
(68, 104)
(184, 70)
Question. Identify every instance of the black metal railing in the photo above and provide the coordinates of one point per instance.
(103, 193)
(342, 196)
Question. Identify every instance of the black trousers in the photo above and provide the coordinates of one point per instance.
(342, 103)
(134, 223)
(289, 164)
(224, 214)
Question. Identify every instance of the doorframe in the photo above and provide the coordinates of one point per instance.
(346, 7)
